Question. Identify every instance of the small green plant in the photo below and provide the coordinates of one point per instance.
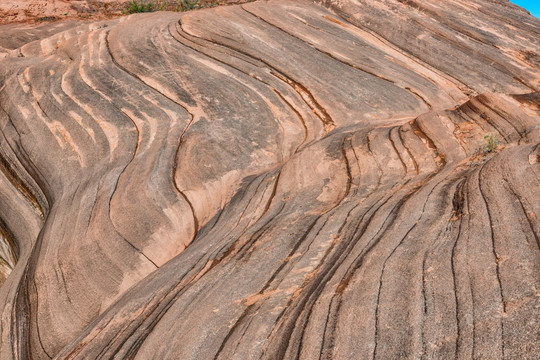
(486, 152)
(491, 144)
(47, 18)
(142, 6)
(185, 5)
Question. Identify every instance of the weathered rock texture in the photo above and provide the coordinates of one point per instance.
(48, 10)
(273, 180)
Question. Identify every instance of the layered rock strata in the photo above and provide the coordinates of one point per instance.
(353, 179)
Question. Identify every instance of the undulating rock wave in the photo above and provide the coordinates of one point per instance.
(347, 180)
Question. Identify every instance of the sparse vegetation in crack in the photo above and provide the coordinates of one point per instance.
(142, 6)
(185, 5)
(485, 152)
(491, 144)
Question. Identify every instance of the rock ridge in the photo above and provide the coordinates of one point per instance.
(273, 180)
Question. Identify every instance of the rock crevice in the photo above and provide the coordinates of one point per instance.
(273, 180)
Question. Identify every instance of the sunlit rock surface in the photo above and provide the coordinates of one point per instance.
(273, 180)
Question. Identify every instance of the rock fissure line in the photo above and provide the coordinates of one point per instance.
(290, 183)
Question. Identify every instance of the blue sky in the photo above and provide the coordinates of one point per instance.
(532, 5)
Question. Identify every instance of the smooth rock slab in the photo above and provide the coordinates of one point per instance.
(273, 180)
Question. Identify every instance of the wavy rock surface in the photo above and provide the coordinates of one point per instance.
(273, 180)
(48, 10)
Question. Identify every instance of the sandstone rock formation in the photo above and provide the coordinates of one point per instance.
(278, 179)
(48, 10)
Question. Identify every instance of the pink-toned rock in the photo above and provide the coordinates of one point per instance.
(50, 10)
(272, 180)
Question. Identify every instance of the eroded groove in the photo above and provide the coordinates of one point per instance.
(327, 122)
(504, 117)
(470, 283)
(495, 256)
(418, 220)
(396, 150)
(308, 98)
(279, 192)
(526, 214)
(9, 251)
(347, 166)
(16, 180)
(248, 310)
(365, 27)
(300, 117)
(438, 158)
(277, 92)
(175, 162)
(319, 283)
(458, 203)
(272, 195)
(356, 67)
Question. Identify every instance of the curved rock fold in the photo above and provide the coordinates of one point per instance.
(273, 180)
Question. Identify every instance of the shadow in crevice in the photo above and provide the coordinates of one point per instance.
(9, 252)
